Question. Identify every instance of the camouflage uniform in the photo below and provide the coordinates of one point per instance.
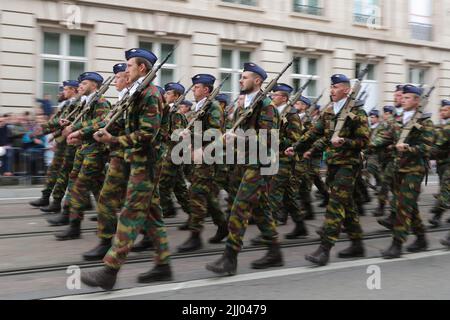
(141, 145)
(410, 168)
(252, 194)
(88, 167)
(343, 169)
(441, 153)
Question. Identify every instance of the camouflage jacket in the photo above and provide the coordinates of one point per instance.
(53, 124)
(212, 119)
(419, 141)
(355, 133)
(291, 130)
(440, 150)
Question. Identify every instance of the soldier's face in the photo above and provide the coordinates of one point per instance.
(279, 98)
(184, 108)
(410, 101)
(398, 97)
(69, 92)
(121, 81)
(249, 82)
(445, 112)
(134, 71)
(171, 96)
(86, 87)
(200, 91)
(374, 120)
(241, 100)
(339, 91)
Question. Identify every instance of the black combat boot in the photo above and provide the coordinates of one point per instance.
(192, 244)
(41, 202)
(356, 250)
(321, 256)
(54, 207)
(309, 212)
(71, 233)
(361, 210)
(227, 264)
(298, 232)
(379, 212)
(145, 244)
(158, 273)
(222, 233)
(419, 245)
(170, 214)
(61, 219)
(94, 218)
(273, 258)
(388, 222)
(394, 251)
(99, 251)
(104, 278)
(446, 242)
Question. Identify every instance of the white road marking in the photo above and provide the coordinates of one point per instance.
(14, 199)
(244, 277)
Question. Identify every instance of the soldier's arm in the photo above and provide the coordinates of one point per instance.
(149, 123)
(383, 138)
(315, 133)
(440, 148)
(423, 146)
(89, 127)
(294, 132)
(362, 133)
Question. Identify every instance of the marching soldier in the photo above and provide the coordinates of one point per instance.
(343, 159)
(372, 161)
(87, 172)
(203, 188)
(440, 152)
(112, 193)
(411, 161)
(140, 144)
(252, 195)
(70, 93)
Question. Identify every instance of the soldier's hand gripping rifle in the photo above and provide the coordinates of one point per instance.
(98, 94)
(294, 99)
(125, 105)
(413, 123)
(258, 98)
(200, 113)
(349, 104)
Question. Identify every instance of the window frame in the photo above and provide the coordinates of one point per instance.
(235, 69)
(304, 77)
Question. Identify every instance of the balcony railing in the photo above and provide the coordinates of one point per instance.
(421, 31)
(365, 19)
(317, 11)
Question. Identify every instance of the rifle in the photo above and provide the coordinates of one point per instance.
(181, 99)
(259, 97)
(94, 99)
(314, 103)
(349, 104)
(130, 100)
(205, 106)
(293, 100)
(413, 123)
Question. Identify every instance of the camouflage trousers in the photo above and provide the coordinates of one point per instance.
(406, 194)
(341, 208)
(53, 170)
(444, 192)
(251, 198)
(87, 176)
(302, 182)
(314, 171)
(203, 197)
(284, 191)
(141, 211)
(373, 167)
(112, 197)
(62, 180)
(173, 180)
(387, 181)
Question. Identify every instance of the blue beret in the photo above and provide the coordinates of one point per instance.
(399, 87)
(187, 103)
(388, 109)
(445, 103)
(252, 67)
(175, 87)
(161, 90)
(283, 87)
(305, 100)
(412, 89)
(205, 79)
(141, 53)
(93, 76)
(71, 83)
(375, 113)
(120, 67)
(318, 107)
(223, 98)
(339, 78)
(61, 88)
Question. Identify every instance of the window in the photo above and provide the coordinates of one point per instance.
(304, 69)
(232, 62)
(367, 12)
(63, 57)
(417, 76)
(308, 7)
(244, 2)
(161, 50)
(369, 88)
(420, 19)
